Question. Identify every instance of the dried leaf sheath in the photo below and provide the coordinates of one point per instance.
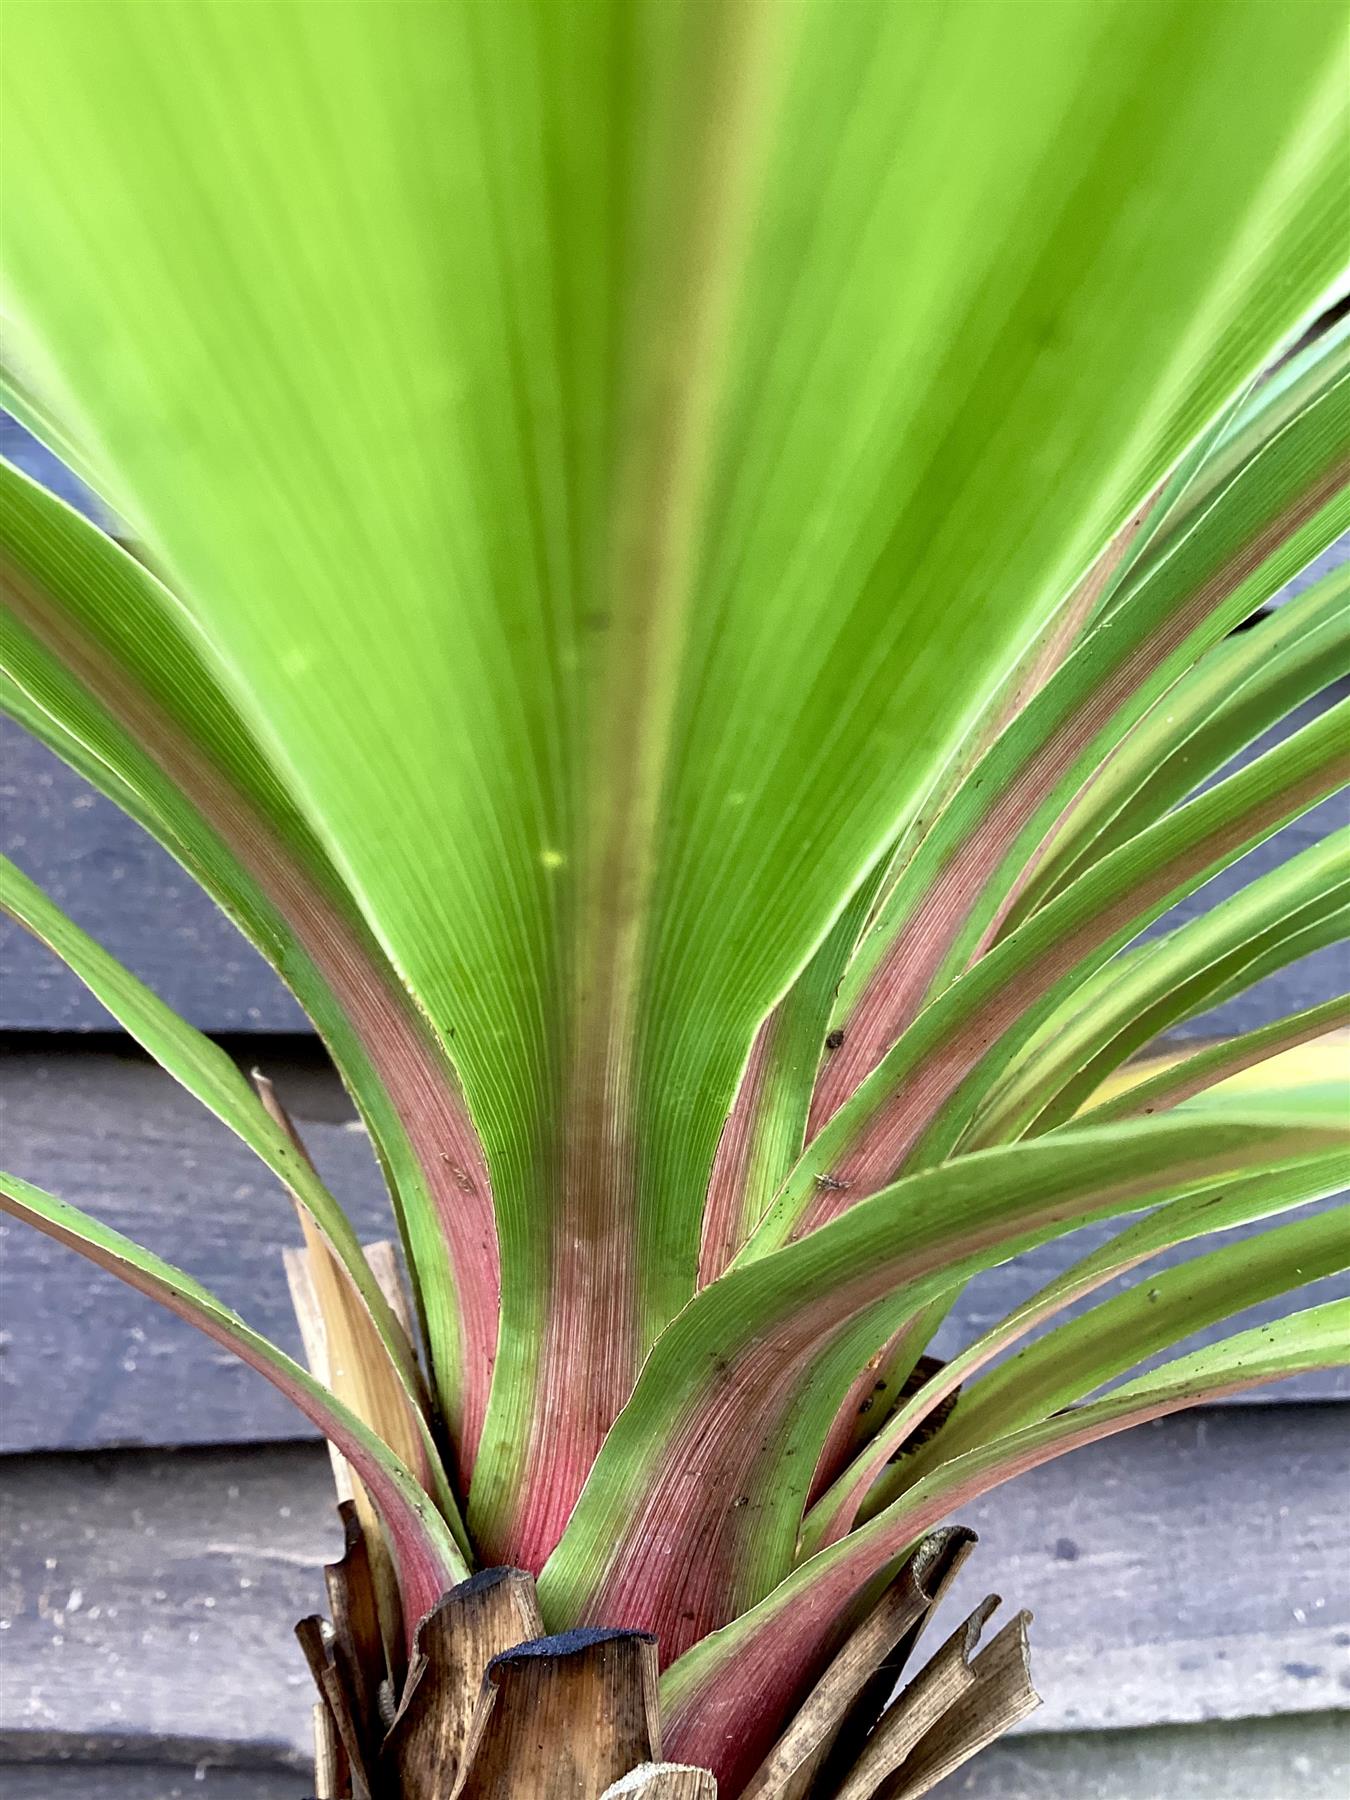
(587, 1702)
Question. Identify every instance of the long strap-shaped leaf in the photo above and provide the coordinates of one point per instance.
(767, 1125)
(428, 1559)
(1056, 642)
(1151, 1315)
(1222, 1208)
(1190, 1075)
(1244, 686)
(208, 1074)
(752, 1668)
(918, 1101)
(766, 1128)
(1229, 442)
(118, 685)
(742, 1388)
(1285, 943)
(1263, 927)
(1274, 397)
(1285, 505)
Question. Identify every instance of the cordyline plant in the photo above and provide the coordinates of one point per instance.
(676, 571)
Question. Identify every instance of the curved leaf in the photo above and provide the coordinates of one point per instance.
(1265, 926)
(1220, 1208)
(116, 684)
(751, 1669)
(210, 1076)
(1151, 1315)
(1241, 688)
(1186, 1076)
(1287, 503)
(428, 1559)
(707, 1469)
(917, 1102)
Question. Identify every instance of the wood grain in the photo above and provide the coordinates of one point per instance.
(1302, 1758)
(131, 895)
(149, 1781)
(563, 1716)
(476, 1622)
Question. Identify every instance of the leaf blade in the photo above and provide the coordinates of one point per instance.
(114, 683)
(1178, 1222)
(705, 1700)
(744, 1385)
(428, 1558)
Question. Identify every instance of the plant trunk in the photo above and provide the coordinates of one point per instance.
(491, 1708)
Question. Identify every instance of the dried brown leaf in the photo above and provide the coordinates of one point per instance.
(564, 1716)
(1000, 1695)
(486, 1615)
(912, 1713)
(787, 1771)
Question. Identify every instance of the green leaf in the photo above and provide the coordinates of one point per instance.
(745, 1384)
(1240, 689)
(766, 1129)
(113, 681)
(1266, 925)
(18, 704)
(426, 1555)
(1222, 1207)
(1151, 1315)
(539, 411)
(208, 1074)
(1271, 402)
(916, 1104)
(751, 1668)
(1285, 504)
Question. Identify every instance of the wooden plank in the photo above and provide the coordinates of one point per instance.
(1250, 1759)
(151, 1600)
(115, 881)
(1190, 1571)
(88, 1363)
(1253, 1759)
(149, 1781)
